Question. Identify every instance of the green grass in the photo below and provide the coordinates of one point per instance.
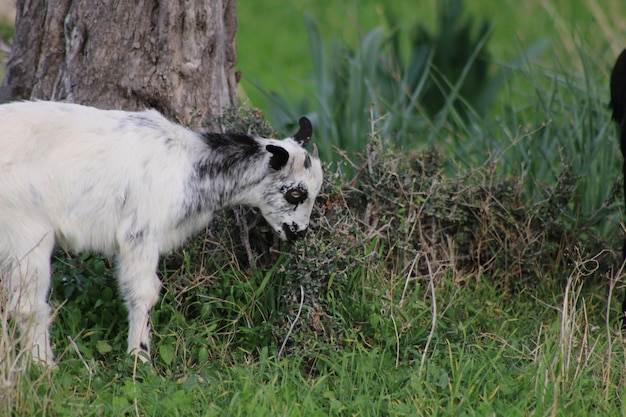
(398, 318)
(476, 351)
(279, 59)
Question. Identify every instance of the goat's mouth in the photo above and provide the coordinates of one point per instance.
(292, 232)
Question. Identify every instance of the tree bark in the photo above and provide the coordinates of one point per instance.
(175, 56)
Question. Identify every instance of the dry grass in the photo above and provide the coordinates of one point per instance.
(400, 221)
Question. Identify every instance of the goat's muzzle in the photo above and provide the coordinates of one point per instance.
(292, 233)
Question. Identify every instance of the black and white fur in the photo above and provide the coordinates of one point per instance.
(131, 185)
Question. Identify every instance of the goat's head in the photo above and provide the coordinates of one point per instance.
(287, 194)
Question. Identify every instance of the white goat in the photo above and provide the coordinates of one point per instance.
(133, 185)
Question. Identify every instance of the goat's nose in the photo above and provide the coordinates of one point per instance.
(292, 233)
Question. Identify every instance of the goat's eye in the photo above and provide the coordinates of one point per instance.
(295, 196)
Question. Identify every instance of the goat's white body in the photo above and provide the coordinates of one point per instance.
(133, 185)
(46, 167)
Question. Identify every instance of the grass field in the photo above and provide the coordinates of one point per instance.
(477, 279)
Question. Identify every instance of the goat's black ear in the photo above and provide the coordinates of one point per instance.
(279, 158)
(305, 132)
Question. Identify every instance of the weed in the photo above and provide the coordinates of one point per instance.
(466, 277)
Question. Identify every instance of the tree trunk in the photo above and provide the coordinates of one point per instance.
(175, 56)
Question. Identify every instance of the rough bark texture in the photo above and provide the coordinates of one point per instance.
(176, 56)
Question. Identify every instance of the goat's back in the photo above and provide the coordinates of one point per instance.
(79, 171)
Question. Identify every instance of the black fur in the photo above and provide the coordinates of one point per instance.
(230, 140)
(292, 233)
(225, 155)
(618, 105)
(231, 149)
(138, 120)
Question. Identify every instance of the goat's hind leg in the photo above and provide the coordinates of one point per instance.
(140, 287)
(27, 282)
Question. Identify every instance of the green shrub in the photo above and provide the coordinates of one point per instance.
(402, 220)
(399, 222)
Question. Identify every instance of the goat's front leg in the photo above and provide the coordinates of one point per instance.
(140, 287)
(28, 279)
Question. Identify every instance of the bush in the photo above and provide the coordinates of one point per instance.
(399, 222)
(402, 219)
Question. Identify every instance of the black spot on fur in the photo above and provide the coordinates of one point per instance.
(292, 232)
(230, 149)
(225, 161)
(239, 141)
(143, 347)
(136, 237)
(138, 120)
(169, 142)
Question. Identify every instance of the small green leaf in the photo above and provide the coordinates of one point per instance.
(203, 354)
(103, 347)
(374, 320)
(107, 294)
(167, 353)
(131, 390)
